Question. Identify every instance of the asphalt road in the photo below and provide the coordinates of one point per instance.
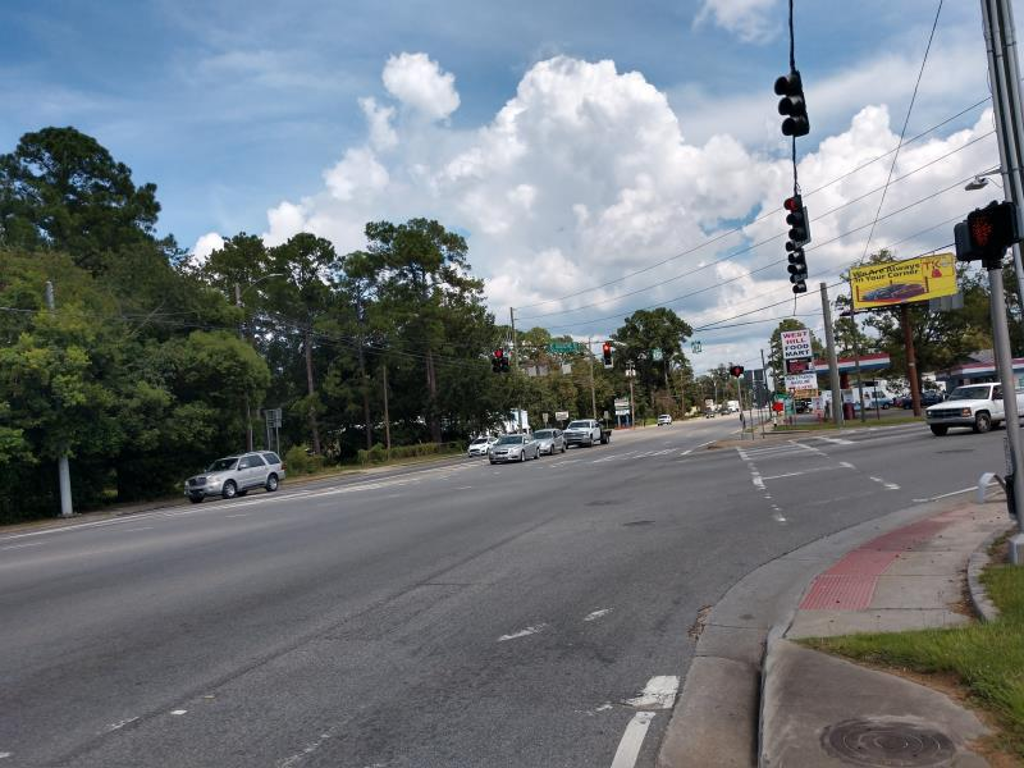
(464, 615)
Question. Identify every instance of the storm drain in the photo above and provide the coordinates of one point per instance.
(894, 743)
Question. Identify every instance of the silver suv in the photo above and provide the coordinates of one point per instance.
(236, 475)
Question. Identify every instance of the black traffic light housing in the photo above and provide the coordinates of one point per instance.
(987, 233)
(736, 370)
(606, 352)
(798, 270)
(799, 228)
(499, 362)
(792, 104)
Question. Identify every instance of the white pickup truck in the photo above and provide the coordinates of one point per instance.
(978, 406)
(586, 432)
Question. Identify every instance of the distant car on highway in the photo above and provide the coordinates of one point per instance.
(551, 441)
(665, 419)
(514, 448)
(479, 446)
(236, 476)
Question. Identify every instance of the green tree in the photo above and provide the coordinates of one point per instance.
(61, 189)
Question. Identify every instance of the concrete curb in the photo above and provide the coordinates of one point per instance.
(733, 658)
(977, 562)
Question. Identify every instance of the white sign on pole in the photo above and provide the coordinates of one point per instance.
(796, 345)
(561, 415)
(801, 381)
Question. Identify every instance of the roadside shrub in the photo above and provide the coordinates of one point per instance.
(376, 455)
(298, 462)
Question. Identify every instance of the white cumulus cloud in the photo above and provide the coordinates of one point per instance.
(750, 20)
(418, 82)
(205, 245)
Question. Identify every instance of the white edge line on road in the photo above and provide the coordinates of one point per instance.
(659, 693)
(26, 544)
(597, 614)
(632, 740)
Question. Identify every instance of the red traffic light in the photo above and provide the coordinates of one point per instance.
(792, 203)
(499, 353)
(607, 347)
(736, 370)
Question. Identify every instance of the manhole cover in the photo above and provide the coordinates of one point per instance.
(887, 743)
(638, 522)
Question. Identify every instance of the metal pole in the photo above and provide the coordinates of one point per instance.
(908, 342)
(593, 391)
(1004, 80)
(856, 363)
(63, 468)
(632, 412)
(1004, 363)
(764, 384)
(515, 367)
(833, 364)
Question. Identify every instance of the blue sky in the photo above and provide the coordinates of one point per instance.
(233, 108)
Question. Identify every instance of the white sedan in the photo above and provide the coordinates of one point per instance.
(514, 448)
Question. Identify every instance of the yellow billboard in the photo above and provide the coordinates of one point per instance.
(899, 282)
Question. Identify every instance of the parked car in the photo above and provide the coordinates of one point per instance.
(236, 476)
(514, 448)
(928, 397)
(551, 441)
(665, 418)
(479, 446)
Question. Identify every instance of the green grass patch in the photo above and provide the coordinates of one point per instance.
(987, 659)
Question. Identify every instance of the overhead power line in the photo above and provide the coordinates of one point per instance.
(722, 235)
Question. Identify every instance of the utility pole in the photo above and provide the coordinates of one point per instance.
(387, 417)
(856, 362)
(248, 407)
(1004, 78)
(63, 469)
(631, 372)
(833, 365)
(764, 375)
(908, 342)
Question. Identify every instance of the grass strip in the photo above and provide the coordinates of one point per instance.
(986, 658)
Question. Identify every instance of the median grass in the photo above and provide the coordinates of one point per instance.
(987, 659)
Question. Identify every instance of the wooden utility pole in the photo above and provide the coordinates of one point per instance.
(908, 342)
(387, 417)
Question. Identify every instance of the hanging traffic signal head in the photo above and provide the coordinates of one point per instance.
(606, 352)
(798, 270)
(987, 233)
(736, 370)
(792, 104)
(796, 217)
(499, 361)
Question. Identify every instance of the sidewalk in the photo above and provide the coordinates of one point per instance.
(817, 709)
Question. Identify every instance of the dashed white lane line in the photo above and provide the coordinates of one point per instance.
(594, 615)
(632, 740)
(120, 724)
(20, 546)
(5, 754)
(240, 514)
(659, 693)
(887, 485)
(809, 470)
(179, 711)
(143, 528)
(525, 632)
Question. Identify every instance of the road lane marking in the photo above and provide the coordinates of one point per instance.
(597, 614)
(836, 440)
(240, 514)
(526, 632)
(120, 724)
(143, 528)
(659, 693)
(21, 546)
(888, 486)
(632, 740)
(809, 470)
(179, 711)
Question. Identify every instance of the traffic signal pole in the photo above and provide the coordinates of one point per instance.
(833, 364)
(1004, 78)
(63, 468)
